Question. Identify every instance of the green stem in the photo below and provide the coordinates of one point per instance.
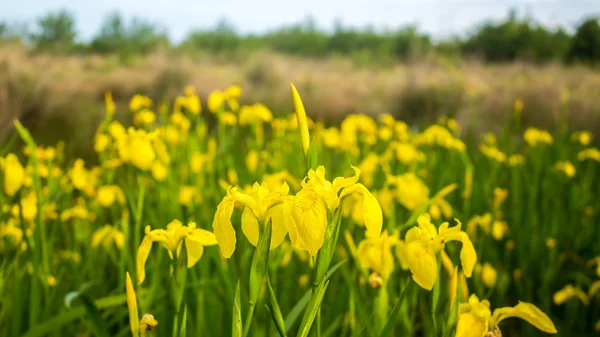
(248, 320)
(175, 325)
(318, 327)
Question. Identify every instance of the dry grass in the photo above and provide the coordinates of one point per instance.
(39, 88)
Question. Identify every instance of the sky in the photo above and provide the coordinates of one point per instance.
(440, 18)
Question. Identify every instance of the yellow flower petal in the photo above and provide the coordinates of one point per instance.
(341, 182)
(468, 255)
(14, 174)
(134, 318)
(224, 232)
(310, 217)
(279, 230)
(471, 325)
(302, 121)
(142, 256)
(250, 226)
(278, 226)
(529, 312)
(372, 214)
(206, 238)
(422, 263)
(194, 251)
(427, 228)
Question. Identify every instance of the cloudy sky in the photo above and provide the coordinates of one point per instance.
(437, 17)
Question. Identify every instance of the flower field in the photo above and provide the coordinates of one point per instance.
(211, 218)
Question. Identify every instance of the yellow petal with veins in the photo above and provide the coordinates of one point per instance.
(471, 325)
(310, 217)
(422, 263)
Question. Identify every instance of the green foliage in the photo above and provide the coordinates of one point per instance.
(506, 41)
(55, 32)
(586, 43)
(513, 40)
(137, 37)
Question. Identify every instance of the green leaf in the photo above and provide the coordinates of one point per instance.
(453, 316)
(64, 318)
(435, 296)
(293, 315)
(183, 329)
(260, 260)
(274, 310)
(389, 326)
(236, 324)
(94, 316)
(179, 278)
(336, 324)
(73, 295)
(328, 249)
(313, 307)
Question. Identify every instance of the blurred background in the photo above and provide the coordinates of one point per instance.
(417, 60)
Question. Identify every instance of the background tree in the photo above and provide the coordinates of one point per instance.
(55, 32)
(585, 46)
(137, 37)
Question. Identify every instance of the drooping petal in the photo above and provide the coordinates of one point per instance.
(422, 263)
(194, 251)
(251, 229)
(310, 217)
(291, 226)
(471, 325)
(279, 230)
(372, 214)
(142, 256)
(529, 312)
(250, 226)
(224, 232)
(468, 255)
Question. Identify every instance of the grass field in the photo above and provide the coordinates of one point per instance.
(67, 91)
(375, 227)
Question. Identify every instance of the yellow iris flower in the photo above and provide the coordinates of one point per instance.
(534, 137)
(569, 292)
(318, 198)
(14, 174)
(376, 254)
(261, 206)
(476, 319)
(172, 239)
(425, 241)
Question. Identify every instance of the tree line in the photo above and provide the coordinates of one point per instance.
(509, 40)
